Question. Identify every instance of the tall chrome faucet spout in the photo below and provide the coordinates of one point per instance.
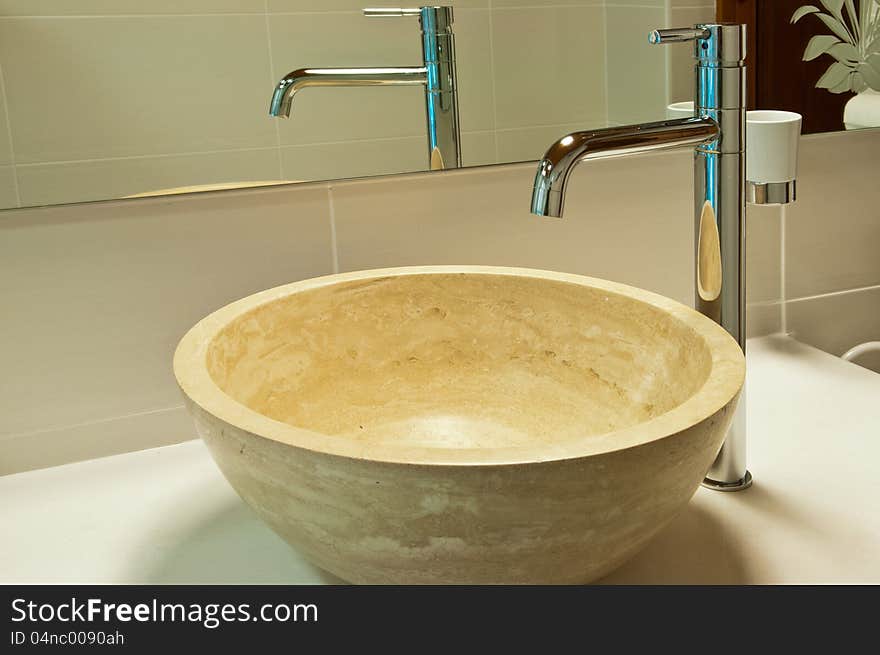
(548, 194)
(717, 134)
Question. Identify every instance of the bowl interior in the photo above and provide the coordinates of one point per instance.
(458, 360)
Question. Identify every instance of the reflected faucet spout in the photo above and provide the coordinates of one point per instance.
(437, 75)
(548, 194)
(282, 97)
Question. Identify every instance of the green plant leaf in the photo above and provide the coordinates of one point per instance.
(819, 45)
(853, 14)
(873, 46)
(870, 71)
(838, 28)
(845, 85)
(845, 53)
(835, 7)
(833, 77)
(803, 11)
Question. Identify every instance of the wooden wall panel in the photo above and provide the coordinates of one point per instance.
(778, 78)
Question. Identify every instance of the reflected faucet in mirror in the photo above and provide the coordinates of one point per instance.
(717, 132)
(437, 75)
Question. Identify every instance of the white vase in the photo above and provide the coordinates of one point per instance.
(862, 110)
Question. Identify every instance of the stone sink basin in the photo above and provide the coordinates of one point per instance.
(458, 424)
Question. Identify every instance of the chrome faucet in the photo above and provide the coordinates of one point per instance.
(437, 75)
(717, 133)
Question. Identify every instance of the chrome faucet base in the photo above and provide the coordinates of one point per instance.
(739, 485)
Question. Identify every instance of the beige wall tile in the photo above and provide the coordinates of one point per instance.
(5, 144)
(354, 158)
(99, 294)
(49, 184)
(763, 270)
(636, 3)
(35, 450)
(763, 254)
(478, 148)
(692, 3)
(837, 322)
(475, 70)
(8, 191)
(612, 228)
(543, 3)
(112, 85)
(763, 319)
(550, 66)
(117, 7)
(680, 57)
(833, 230)
(636, 69)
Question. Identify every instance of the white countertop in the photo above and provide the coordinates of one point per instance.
(166, 515)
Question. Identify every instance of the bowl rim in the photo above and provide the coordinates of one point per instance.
(721, 386)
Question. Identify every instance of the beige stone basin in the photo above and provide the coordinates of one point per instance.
(461, 424)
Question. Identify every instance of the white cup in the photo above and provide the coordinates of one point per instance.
(772, 146)
(680, 110)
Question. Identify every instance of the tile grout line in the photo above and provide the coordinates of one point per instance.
(275, 122)
(85, 424)
(763, 303)
(668, 52)
(334, 248)
(9, 136)
(163, 155)
(577, 124)
(832, 294)
(492, 74)
(605, 67)
(514, 8)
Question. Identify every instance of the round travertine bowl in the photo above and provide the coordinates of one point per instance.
(461, 424)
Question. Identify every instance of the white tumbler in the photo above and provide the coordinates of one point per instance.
(771, 152)
(771, 156)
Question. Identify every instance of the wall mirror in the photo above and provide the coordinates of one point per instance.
(118, 98)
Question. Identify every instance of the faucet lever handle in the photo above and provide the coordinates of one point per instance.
(391, 12)
(678, 34)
